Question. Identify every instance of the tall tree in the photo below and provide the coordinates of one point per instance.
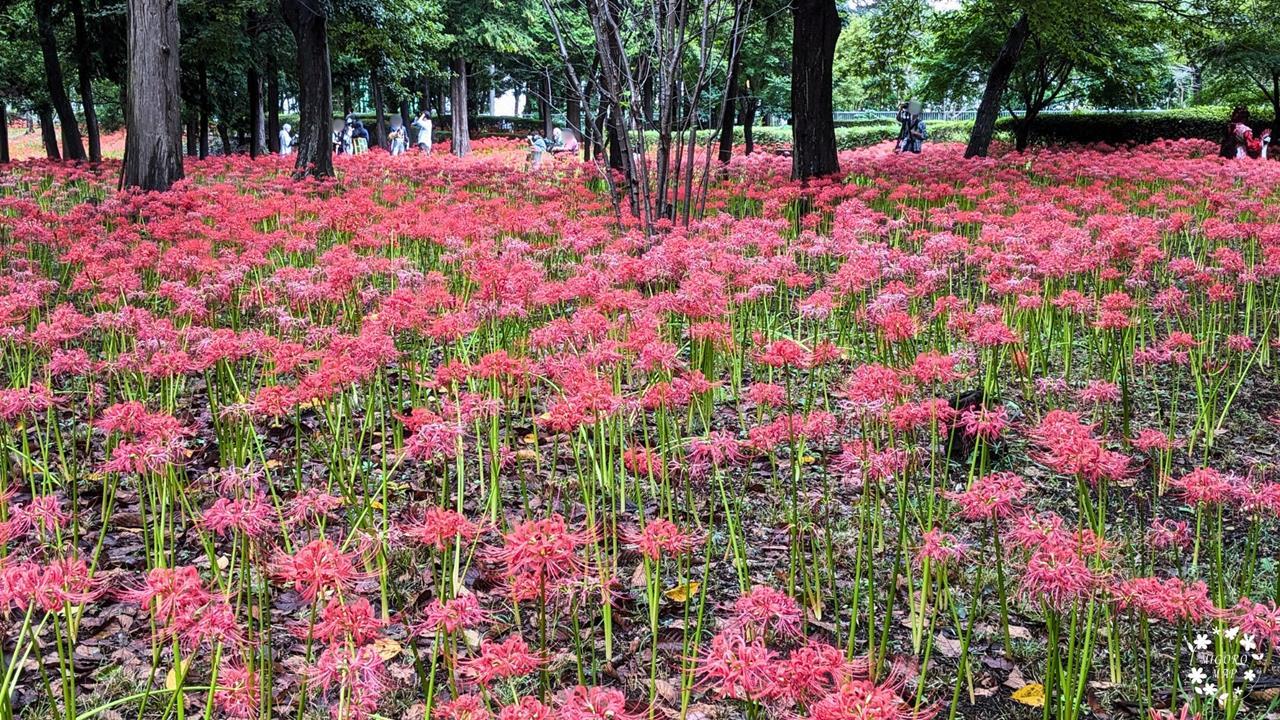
(815, 30)
(460, 129)
(307, 20)
(72, 143)
(153, 111)
(84, 75)
(984, 123)
(4, 132)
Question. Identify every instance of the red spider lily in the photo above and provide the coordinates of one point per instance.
(593, 703)
(352, 621)
(661, 536)
(1171, 600)
(459, 613)
(315, 567)
(815, 670)
(51, 587)
(1165, 534)
(526, 708)
(355, 676)
(763, 611)
(940, 547)
(508, 659)
(985, 423)
(737, 668)
(249, 516)
(43, 513)
(544, 550)
(1258, 619)
(1205, 486)
(239, 693)
(184, 608)
(862, 699)
(1057, 576)
(991, 497)
(463, 707)
(312, 505)
(439, 528)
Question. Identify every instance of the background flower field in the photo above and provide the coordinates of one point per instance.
(442, 438)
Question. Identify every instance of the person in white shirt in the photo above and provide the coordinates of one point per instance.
(423, 126)
(286, 139)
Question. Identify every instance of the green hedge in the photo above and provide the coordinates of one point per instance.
(848, 138)
(1128, 128)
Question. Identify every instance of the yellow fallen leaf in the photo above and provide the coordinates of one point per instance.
(682, 593)
(526, 455)
(1030, 694)
(531, 439)
(387, 648)
(171, 680)
(223, 562)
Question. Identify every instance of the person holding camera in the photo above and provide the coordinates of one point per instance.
(913, 130)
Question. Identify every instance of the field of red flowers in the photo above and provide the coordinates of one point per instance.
(940, 438)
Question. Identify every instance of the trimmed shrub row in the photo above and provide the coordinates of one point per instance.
(1134, 128)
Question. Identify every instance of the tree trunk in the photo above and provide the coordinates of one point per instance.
(204, 111)
(153, 111)
(573, 114)
(984, 124)
(548, 123)
(406, 115)
(257, 119)
(72, 144)
(4, 133)
(193, 129)
(273, 105)
(1022, 133)
(813, 48)
(1275, 101)
(730, 106)
(315, 88)
(749, 105)
(224, 137)
(461, 140)
(48, 134)
(379, 110)
(85, 71)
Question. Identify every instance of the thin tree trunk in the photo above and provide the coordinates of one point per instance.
(984, 123)
(548, 123)
(315, 88)
(273, 104)
(153, 111)
(85, 72)
(193, 129)
(257, 119)
(406, 115)
(729, 105)
(749, 105)
(48, 133)
(461, 140)
(4, 133)
(72, 143)
(204, 111)
(379, 110)
(813, 47)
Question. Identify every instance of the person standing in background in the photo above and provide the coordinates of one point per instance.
(423, 126)
(286, 139)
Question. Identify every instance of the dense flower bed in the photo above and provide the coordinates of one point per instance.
(440, 438)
